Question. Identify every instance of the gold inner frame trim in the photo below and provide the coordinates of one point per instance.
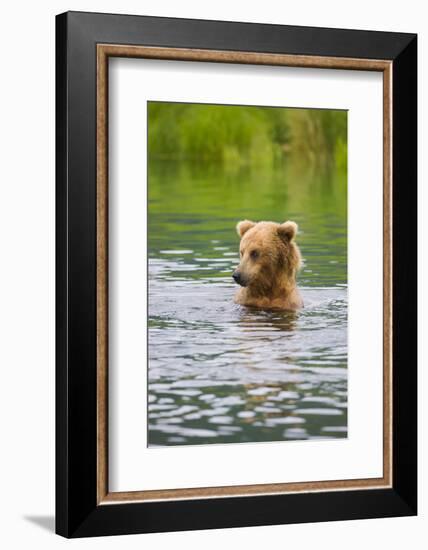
(104, 51)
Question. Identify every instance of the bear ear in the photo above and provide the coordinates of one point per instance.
(287, 230)
(244, 226)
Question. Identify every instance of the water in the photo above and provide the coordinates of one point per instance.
(223, 373)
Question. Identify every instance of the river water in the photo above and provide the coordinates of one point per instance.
(223, 373)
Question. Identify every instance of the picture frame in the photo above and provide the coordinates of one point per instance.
(84, 44)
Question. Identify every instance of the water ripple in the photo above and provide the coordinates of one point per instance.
(222, 373)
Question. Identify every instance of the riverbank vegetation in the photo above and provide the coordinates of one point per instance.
(246, 136)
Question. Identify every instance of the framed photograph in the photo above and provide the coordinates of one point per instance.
(236, 274)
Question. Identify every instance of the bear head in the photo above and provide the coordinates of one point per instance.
(269, 256)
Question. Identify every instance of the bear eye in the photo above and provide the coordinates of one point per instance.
(254, 254)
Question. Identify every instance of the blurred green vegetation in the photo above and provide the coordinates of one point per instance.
(246, 136)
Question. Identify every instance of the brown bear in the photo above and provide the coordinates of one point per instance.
(269, 261)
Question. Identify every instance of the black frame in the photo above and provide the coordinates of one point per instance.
(77, 513)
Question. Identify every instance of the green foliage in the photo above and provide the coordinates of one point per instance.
(320, 135)
(245, 136)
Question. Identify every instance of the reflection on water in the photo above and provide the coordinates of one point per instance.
(219, 372)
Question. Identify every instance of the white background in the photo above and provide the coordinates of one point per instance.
(27, 274)
(133, 82)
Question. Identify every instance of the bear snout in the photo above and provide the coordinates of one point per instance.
(237, 277)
